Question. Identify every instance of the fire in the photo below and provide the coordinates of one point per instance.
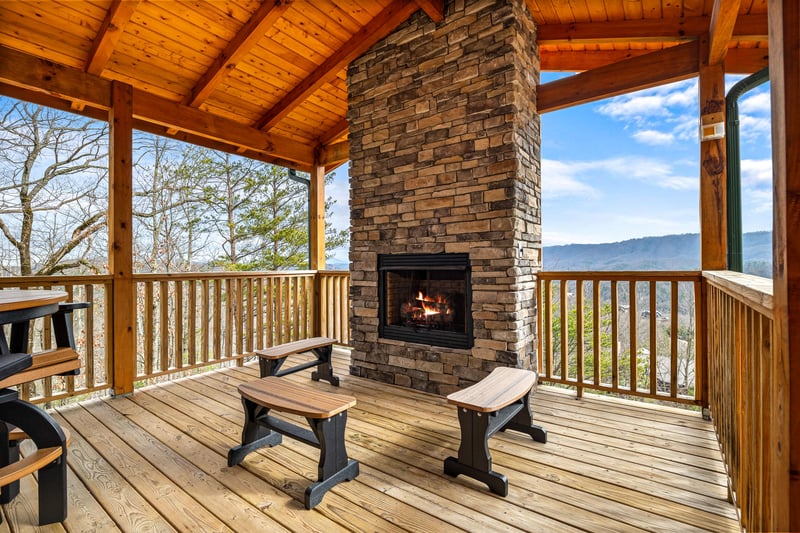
(432, 306)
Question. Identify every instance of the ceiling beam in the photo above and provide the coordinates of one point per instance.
(119, 14)
(737, 60)
(244, 41)
(21, 70)
(673, 64)
(334, 154)
(375, 30)
(745, 28)
(720, 31)
(433, 8)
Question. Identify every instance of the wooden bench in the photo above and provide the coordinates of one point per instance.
(271, 359)
(325, 412)
(498, 402)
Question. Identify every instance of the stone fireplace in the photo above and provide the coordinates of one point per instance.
(444, 164)
(425, 299)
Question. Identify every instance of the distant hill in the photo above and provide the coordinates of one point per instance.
(670, 252)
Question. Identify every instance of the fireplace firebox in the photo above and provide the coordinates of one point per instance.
(425, 298)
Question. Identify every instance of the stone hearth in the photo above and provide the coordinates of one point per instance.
(444, 158)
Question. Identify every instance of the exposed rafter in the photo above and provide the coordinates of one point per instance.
(738, 60)
(244, 40)
(745, 28)
(119, 13)
(721, 29)
(338, 129)
(27, 72)
(375, 30)
(673, 64)
(433, 8)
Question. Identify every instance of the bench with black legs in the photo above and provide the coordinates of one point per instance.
(325, 412)
(498, 402)
(271, 359)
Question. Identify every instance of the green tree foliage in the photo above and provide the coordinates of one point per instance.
(193, 208)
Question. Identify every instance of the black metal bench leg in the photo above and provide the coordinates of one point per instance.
(9, 453)
(474, 459)
(523, 422)
(254, 435)
(269, 367)
(45, 433)
(325, 367)
(334, 465)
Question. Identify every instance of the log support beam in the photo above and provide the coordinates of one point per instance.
(122, 344)
(784, 421)
(713, 205)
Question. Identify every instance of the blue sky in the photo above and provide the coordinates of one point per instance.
(627, 167)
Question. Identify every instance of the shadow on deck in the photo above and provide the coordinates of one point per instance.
(156, 461)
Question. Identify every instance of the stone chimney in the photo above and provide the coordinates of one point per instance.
(445, 158)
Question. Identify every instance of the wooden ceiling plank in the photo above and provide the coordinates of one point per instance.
(723, 20)
(112, 28)
(673, 64)
(433, 8)
(169, 114)
(22, 70)
(747, 27)
(338, 129)
(378, 28)
(244, 41)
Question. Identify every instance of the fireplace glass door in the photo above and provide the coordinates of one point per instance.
(426, 298)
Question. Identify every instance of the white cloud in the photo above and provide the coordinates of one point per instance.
(655, 103)
(758, 103)
(567, 178)
(756, 173)
(635, 107)
(560, 178)
(752, 128)
(654, 138)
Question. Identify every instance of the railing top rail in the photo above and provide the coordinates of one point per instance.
(227, 274)
(753, 291)
(16, 281)
(623, 275)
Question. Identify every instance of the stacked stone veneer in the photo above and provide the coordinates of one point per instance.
(444, 158)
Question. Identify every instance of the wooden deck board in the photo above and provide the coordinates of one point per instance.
(157, 461)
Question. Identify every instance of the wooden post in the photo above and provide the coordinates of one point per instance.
(316, 216)
(713, 206)
(122, 345)
(784, 421)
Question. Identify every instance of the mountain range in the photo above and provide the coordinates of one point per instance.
(668, 252)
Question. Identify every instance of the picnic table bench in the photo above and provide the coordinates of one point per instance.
(325, 412)
(271, 359)
(498, 402)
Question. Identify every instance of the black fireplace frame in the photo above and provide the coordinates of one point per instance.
(426, 262)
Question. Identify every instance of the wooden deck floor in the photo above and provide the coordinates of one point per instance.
(156, 461)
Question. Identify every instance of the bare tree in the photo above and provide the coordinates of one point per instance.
(53, 168)
(168, 204)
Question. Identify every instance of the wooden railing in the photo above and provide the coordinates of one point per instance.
(189, 321)
(628, 333)
(91, 328)
(334, 305)
(740, 340)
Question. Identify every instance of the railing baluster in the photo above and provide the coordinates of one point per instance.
(163, 325)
